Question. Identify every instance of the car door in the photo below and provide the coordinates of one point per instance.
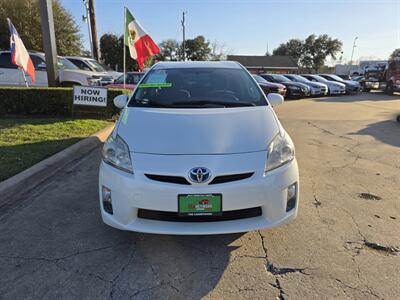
(10, 74)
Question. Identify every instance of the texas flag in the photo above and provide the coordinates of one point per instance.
(19, 55)
(140, 44)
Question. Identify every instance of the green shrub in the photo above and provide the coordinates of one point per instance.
(51, 101)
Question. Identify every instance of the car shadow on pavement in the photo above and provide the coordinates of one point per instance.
(387, 132)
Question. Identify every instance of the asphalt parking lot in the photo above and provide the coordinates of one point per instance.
(345, 242)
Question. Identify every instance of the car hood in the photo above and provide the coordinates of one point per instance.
(335, 83)
(317, 84)
(351, 82)
(296, 84)
(198, 131)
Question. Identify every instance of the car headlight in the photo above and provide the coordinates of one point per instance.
(280, 152)
(116, 153)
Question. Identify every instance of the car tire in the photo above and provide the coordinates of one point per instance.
(389, 88)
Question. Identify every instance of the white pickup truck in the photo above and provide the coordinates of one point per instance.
(68, 73)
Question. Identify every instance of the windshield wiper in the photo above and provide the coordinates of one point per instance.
(201, 103)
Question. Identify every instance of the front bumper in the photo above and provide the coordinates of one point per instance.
(131, 192)
(337, 91)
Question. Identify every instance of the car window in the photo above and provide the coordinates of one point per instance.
(95, 65)
(5, 61)
(191, 86)
(80, 64)
(63, 63)
(37, 61)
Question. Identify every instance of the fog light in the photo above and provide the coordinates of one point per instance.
(107, 200)
(291, 197)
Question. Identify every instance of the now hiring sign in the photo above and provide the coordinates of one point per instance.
(92, 96)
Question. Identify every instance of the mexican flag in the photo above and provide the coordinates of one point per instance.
(140, 44)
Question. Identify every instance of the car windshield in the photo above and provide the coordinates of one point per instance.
(301, 79)
(96, 66)
(319, 78)
(259, 79)
(335, 77)
(130, 78)
(63, 63)
(280, 78)
(197, 88)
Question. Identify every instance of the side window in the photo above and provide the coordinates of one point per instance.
(5, 61)
(80, 64)
(37, 61)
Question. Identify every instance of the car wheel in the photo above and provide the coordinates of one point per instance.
(68, 84)
(389, 88)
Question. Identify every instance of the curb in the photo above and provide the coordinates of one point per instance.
(33, 176)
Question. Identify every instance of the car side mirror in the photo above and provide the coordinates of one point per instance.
(120, 101)
(275, 99)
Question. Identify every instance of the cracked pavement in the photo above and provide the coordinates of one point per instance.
(345, 242)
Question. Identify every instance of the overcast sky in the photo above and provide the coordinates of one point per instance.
(247, 27)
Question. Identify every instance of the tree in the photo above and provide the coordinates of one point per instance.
(317, 49)
(292, 48)
(169, 50)
(395, 54)
(112, 53)
(218, 51)
(25, 16)
(197, 48)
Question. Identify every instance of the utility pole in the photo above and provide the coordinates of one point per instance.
(352, 52)
(86, 19)
(95, 44)
(183, 34)
(49, 40)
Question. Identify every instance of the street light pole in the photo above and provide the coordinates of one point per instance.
(183, 34)
(352, 52)
(86, 19)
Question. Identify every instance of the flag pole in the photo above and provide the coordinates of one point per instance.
(23, 74)
(124, 44)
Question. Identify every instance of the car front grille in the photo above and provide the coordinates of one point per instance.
(174, 217)
(183, 180)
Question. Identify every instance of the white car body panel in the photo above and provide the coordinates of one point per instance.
(197, 131)
(171, 142)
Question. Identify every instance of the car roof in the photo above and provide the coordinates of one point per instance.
(78, 57)
(197, 64)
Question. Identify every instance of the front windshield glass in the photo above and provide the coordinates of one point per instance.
(319, 78)
(301, 79)
(336, 77)
(63, 63)
(259, 79)
(197, 88)
(96, 66)
(280, 78)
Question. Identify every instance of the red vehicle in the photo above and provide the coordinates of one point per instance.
(270, 87)
(131, 80)
(392, 76)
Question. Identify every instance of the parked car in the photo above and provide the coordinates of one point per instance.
(269, 87)
(68, 73)
(131, 80)
(351, 86)
(294, 90)
(90, 64)
(334, 87)
(316, 88)
(198, 143)
(392, 77)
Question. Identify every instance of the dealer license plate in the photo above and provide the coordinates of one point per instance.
(200, 205)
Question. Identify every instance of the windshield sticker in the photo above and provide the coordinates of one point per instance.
(154, 85)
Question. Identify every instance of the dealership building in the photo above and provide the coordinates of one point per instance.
(266, 64)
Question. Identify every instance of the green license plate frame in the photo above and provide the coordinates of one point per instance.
(192, 205)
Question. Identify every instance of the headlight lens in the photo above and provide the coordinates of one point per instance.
(116, 153)
(93, 81)
(280, 152)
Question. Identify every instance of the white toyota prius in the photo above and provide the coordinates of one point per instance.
(198, 149)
